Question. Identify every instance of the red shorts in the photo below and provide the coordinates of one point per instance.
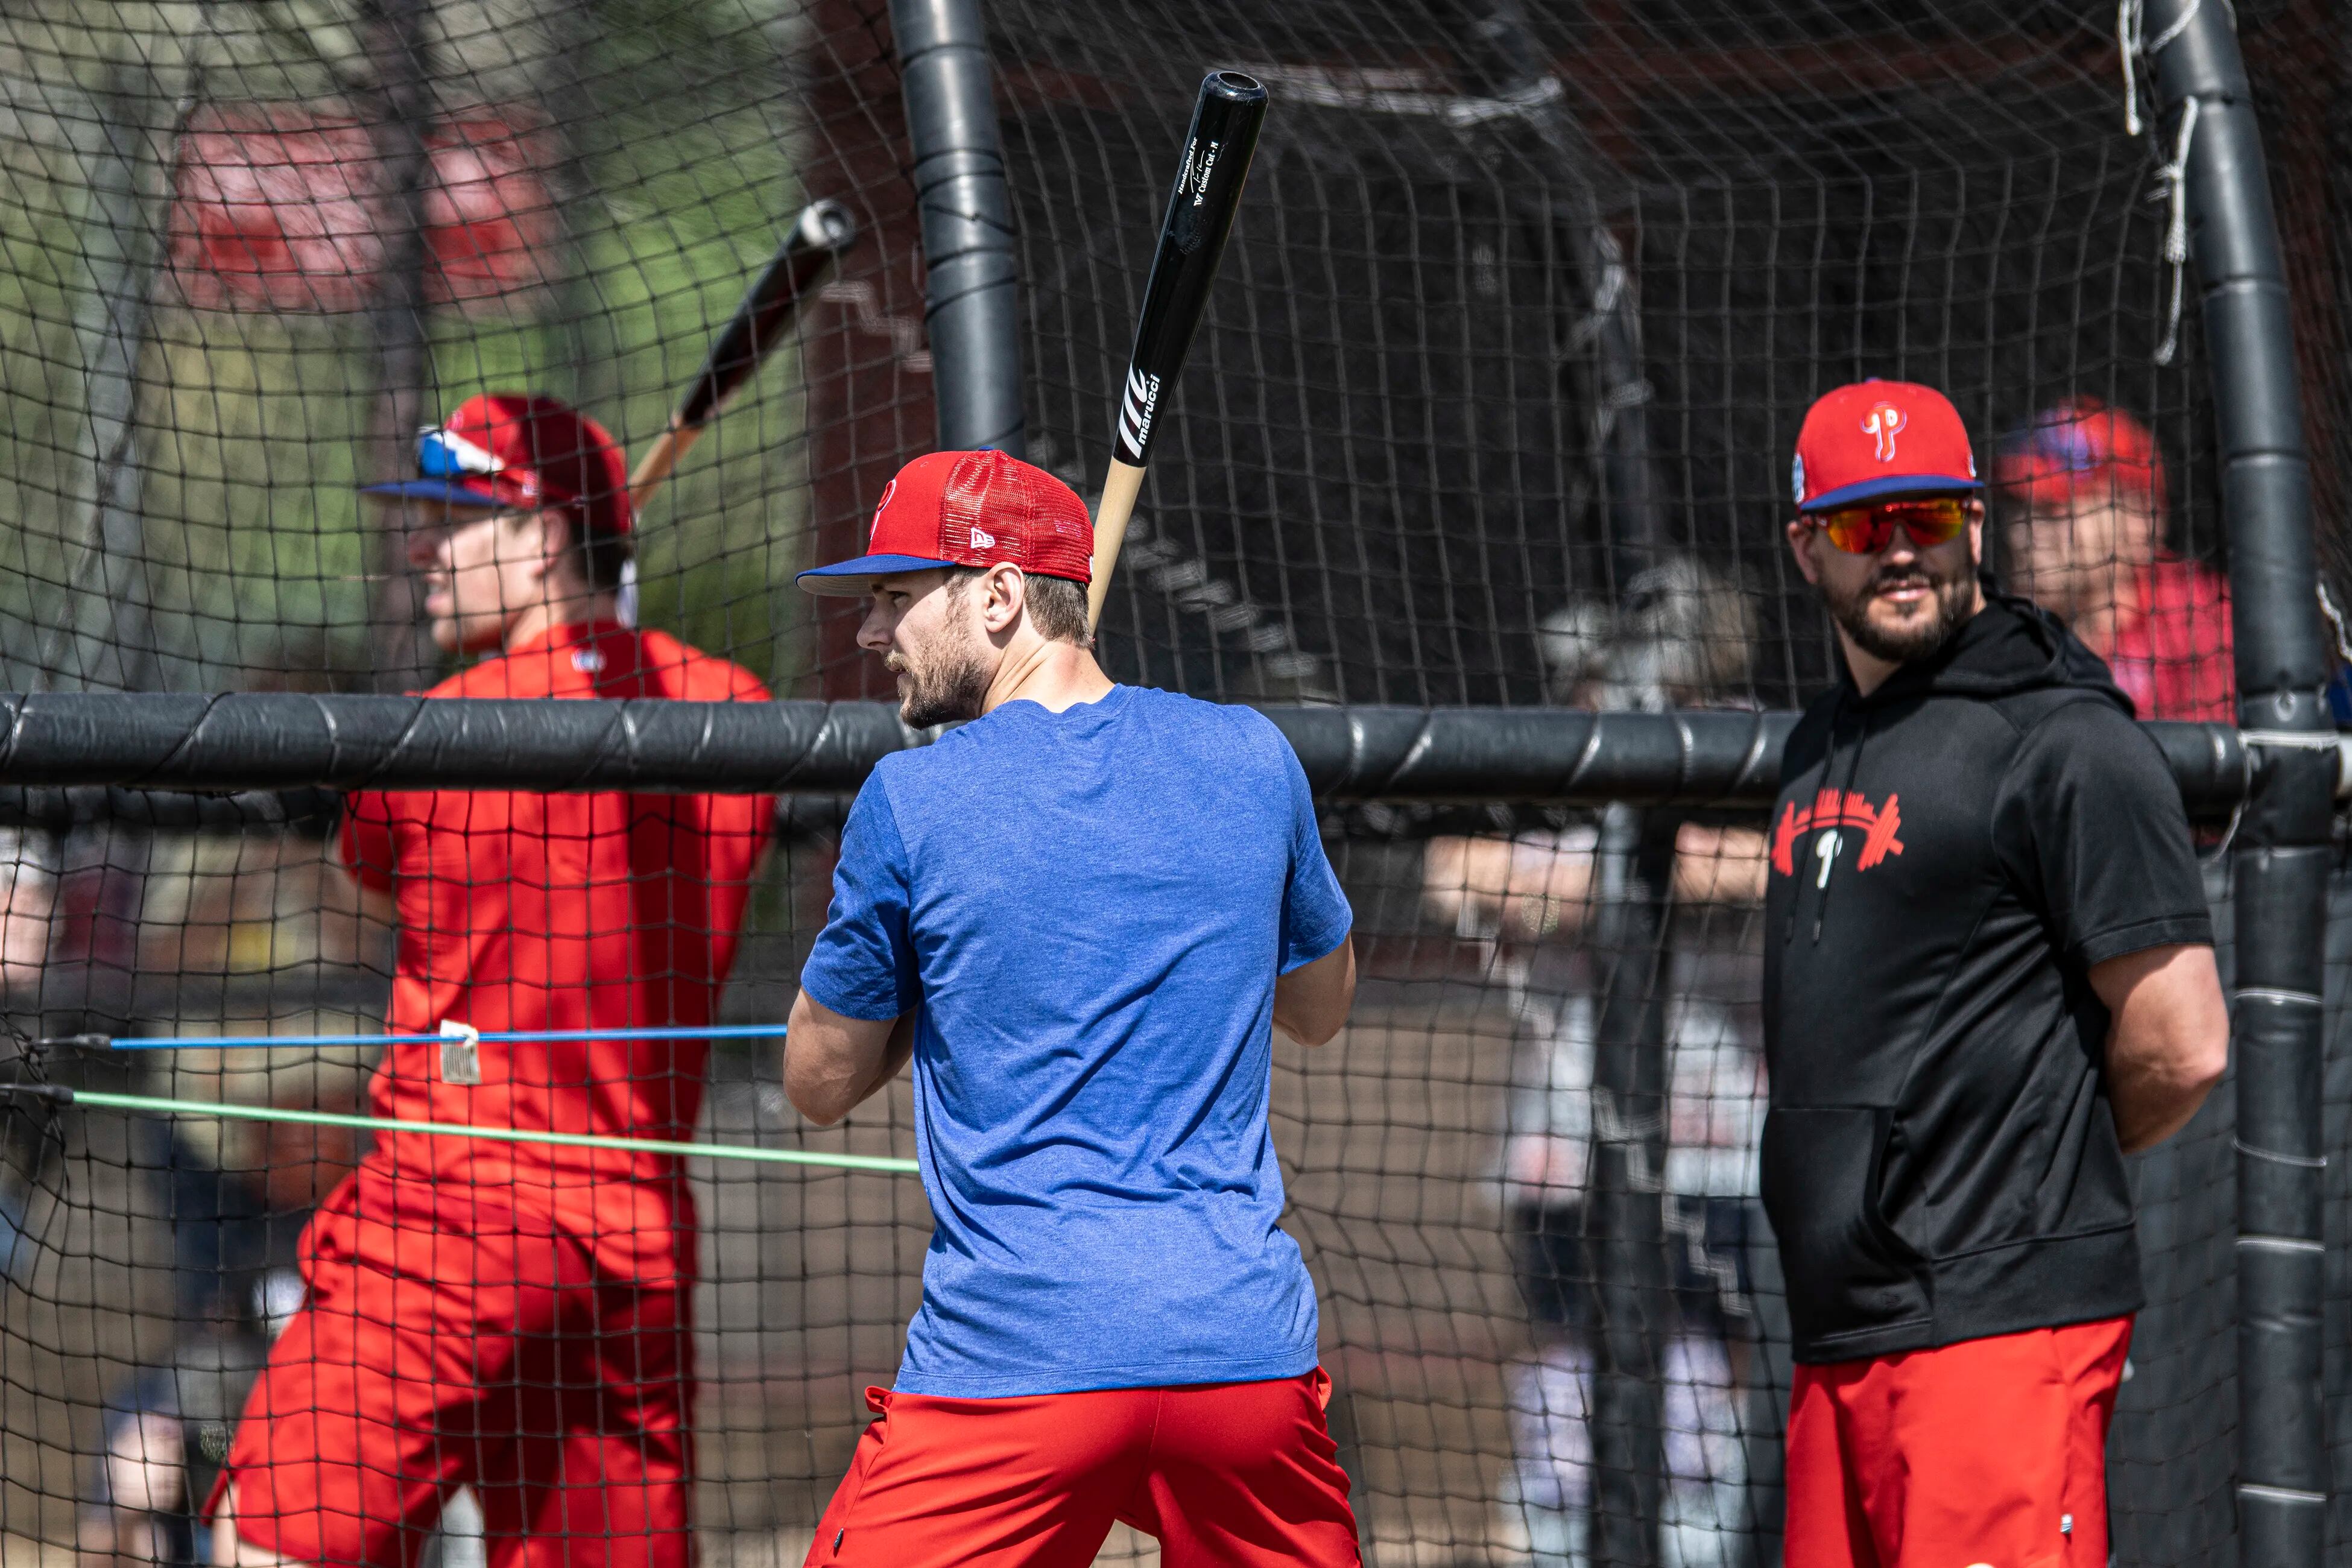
(444, 1343)
(1990, 1450)
(1224, 1473)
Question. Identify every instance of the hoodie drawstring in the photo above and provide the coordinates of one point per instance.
(1829, 868)
(1797, 889)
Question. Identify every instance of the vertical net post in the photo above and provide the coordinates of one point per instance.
(1629, 1146)
(972, 271)
(2280, 866)
(109, 615)
(399, 110)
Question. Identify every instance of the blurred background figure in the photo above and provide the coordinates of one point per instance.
(28, 888)
(28, 893)
(2083, 503)
(166, 1431)
(1682, 639)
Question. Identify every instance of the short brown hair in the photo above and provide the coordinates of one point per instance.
(601, 553)
(604, 555)
(1057, 606)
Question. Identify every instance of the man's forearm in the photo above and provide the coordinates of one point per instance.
(834, 1064)
(2168, 1040)
(2151, 1105)
(1311, 1002)
(827, 1091)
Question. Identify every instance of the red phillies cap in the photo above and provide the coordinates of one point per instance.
(1878, 438)
(2080, 443)
(969, 509)
(510, 450)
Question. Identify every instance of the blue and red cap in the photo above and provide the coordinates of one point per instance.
(1874, 440)
(968, 509)
(2081, 444)
(513, 452)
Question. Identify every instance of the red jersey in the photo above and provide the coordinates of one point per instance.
(523, 912)
(2175, 661)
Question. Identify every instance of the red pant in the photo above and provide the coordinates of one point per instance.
(444, 1343)
(1233, 1474)
(1989, 1451)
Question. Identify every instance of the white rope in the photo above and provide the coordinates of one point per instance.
(2131, 21)
(2336, 624)
(2175, 227)
(2129, 18)
(2132, 47)
(2164, 39)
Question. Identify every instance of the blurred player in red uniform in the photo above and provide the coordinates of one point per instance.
(514, 1316)
(2085, 491)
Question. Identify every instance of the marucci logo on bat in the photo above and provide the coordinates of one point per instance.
(1135, 410)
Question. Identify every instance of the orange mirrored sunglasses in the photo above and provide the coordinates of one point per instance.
(1867, 530)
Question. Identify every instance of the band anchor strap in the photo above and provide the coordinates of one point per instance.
(2307, 1162)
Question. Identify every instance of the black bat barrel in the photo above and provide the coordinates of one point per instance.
(1217, 150)
(824, 231)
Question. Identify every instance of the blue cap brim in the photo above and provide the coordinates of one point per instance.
(447, 490)
(848, 579)
(1894, 485)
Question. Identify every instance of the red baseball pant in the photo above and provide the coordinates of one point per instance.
(444, 1343)
(1239, 1474)
(1989, 1451)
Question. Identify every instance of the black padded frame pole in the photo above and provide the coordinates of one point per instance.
(111, 751)
(971, 275)
(2280, 871)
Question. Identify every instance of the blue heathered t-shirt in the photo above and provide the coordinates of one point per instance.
(1090, 908)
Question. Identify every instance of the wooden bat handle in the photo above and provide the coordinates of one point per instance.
(1121, 488)
(661, 457)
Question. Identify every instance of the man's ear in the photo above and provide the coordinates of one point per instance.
(555, 535)
(1801, 545)
(1006, 594)
(554, 540)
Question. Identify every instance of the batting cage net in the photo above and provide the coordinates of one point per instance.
(1494, 406)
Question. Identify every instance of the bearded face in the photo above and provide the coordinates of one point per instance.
(922, 627)
(1909, 603)
(1902, 602)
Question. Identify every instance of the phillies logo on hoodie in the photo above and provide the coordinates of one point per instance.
(1833, 809)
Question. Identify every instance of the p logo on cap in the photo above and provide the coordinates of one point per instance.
(1883, 422)
(1878, 439)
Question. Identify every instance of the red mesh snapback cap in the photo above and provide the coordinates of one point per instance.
(968, 509)
(517, 451)
(1877, 438)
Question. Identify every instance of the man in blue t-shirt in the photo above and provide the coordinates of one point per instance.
(1081, 915)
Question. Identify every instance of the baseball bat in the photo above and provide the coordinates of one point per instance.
(1217, 150)
(823, 232)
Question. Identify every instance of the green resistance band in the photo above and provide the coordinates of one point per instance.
(154, 1106)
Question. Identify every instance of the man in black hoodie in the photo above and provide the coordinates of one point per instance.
(1988, 972)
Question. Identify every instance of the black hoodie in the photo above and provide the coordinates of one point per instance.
(1950, 854)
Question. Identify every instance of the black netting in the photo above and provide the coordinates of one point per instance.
(1434, 406)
